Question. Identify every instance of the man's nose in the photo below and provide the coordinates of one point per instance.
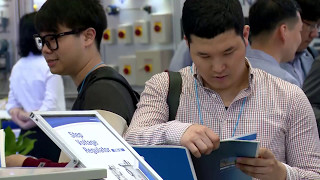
(46, 49)
(218, 67)
(314, 33)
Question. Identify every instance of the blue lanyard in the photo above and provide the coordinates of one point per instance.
(239, 116)
(198, 101)
(199, 110)
(87, 76)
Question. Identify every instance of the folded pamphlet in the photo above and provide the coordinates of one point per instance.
(220, 164)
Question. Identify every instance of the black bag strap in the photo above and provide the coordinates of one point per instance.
(173, 98)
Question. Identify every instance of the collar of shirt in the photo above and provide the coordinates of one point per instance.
(260, 56)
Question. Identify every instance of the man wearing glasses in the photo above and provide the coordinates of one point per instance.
(69, 37)
(300, 66)
(305, 67)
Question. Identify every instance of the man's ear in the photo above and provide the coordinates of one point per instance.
(282, 32)
(246, 32)
(89, 36)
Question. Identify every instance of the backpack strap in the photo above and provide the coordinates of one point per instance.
(173, 98)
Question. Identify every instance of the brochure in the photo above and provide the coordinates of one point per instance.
(220, 164)
(171, 162)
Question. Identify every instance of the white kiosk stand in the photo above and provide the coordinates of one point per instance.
(52, 173)
(90, 141)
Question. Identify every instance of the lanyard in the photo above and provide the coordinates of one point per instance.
(239, 116)
(199, 110)
(87, 75)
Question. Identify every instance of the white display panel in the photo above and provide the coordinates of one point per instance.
(87, 138)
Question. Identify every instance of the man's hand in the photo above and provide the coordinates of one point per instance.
(24, 116)
(264, 167)
(28, 125)
(15, 160)
(200, 140)
(21, 118)
(14, 113)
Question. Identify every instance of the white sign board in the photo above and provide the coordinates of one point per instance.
(87, 138)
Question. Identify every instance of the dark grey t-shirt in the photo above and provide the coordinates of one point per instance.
(106, 89)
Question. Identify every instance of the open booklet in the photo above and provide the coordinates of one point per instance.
(220, 164)
(2, 150)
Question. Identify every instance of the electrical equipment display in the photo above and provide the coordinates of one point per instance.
(125, 34)
(128, 68)
(150, 63)
(141, 32)
(161, 28)
(109, 36)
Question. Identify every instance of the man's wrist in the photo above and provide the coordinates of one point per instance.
(283, 170)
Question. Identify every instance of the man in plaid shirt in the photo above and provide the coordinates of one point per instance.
(223, 96)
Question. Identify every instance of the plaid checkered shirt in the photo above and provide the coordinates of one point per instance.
(278, 111)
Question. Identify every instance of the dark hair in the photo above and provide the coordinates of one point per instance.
(74, 14)
(266, 15)
(310, 9)
(26, 31)
(209, 18)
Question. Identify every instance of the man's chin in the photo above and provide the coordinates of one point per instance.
(55, 71)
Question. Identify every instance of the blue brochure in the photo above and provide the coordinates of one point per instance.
(248, 137)
(220, 164)
(170, 162)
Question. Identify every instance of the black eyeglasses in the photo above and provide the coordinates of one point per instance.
(51, 40)
(312, 26)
